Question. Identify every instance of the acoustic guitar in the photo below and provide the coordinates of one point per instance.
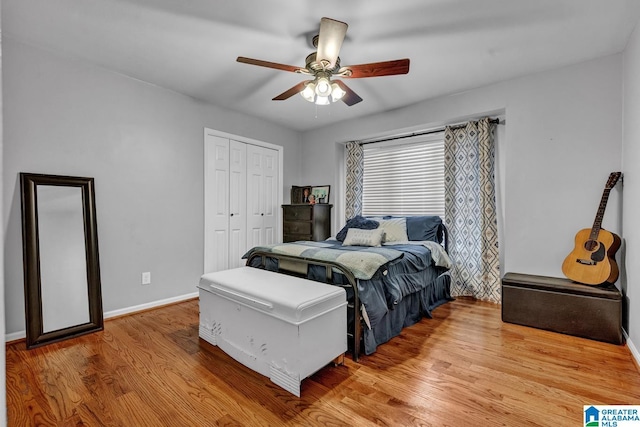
(592, 260)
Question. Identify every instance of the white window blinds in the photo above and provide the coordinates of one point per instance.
(404, 177)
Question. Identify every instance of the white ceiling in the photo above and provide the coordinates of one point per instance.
(190, 46)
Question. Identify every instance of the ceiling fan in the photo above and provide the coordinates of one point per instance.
(324, 64)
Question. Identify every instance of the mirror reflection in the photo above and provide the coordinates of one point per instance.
(63, 266)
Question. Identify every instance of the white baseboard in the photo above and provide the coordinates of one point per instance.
(121, 312)
(15, 336)
(634, 351)
(147, 306)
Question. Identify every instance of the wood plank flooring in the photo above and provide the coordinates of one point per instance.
(463, 367)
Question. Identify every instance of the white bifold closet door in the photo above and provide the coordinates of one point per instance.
(241, 202)
(262, 184)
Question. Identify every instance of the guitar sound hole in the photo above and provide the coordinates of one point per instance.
(591, 245)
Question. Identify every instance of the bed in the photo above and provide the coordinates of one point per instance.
(394, 269)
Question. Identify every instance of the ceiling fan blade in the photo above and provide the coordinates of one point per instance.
(350, 97)
(290, 92)
(268, 64)
(330, 40)
(376, 69)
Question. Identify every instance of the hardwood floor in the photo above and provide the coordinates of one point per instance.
(463, 367)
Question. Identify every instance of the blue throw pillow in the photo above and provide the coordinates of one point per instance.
(425, 228)
(357, 222)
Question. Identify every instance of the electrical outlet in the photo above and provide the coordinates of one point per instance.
(146, 278)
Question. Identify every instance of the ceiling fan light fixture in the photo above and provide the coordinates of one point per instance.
(309, 92)
(322, 100)
(323, 86)
(336, 92)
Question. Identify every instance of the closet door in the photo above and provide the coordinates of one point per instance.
(262, 200)
(237, 203)
(241, 198)
(216, 203)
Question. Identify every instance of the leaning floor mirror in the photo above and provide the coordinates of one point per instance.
(60, 254)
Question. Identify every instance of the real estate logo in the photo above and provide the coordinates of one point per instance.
(611, 415)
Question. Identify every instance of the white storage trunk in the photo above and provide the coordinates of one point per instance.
(284, 327)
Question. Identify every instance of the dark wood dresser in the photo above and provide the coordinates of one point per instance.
(306, 222)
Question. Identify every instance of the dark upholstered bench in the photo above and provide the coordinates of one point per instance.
(561, 305)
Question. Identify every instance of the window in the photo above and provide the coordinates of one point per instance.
(404, 177)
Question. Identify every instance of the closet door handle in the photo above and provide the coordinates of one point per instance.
(231, 214)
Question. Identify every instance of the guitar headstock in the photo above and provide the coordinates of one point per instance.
(613, 180)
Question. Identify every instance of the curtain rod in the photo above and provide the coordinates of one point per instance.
(495, 121)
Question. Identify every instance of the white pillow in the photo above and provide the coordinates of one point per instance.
(395, 229)
(359, 237)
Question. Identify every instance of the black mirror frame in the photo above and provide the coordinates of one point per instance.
(35, 336)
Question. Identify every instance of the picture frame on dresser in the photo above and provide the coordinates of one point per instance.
(298, 194)
(321, 194)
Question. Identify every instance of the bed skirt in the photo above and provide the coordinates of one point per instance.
(409, 311)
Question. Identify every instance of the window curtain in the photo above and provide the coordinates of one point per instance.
(355, 171)
(470, 210)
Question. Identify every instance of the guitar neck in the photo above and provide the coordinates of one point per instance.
(597, 223)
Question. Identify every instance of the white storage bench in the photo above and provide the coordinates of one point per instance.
(283, 327)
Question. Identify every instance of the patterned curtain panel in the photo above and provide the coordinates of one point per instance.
(470, 211)
(354, 174)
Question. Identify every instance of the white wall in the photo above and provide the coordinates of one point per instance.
(561, 140)
(144, 147)
(631, 207)
(3, 392)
